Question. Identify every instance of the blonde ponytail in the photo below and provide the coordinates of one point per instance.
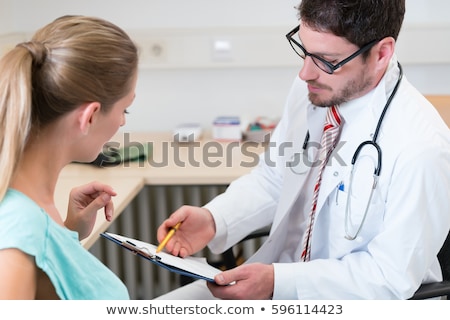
(15, 111)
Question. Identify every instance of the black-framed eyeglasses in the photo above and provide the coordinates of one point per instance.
(323, 64)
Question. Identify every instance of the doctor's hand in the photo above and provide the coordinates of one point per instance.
(196, 230)
(84, 202)
(254, 281)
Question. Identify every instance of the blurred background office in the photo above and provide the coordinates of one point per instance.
(206, 58)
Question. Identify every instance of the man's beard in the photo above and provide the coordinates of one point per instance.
(351, 90)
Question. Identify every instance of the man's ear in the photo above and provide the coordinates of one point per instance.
(87, 114)
(386, 48)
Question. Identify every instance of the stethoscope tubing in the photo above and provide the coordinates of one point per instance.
(377, 170)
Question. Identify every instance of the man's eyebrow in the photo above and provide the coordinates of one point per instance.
(320, 54)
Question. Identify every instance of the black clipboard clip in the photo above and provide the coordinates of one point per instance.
(139, 250)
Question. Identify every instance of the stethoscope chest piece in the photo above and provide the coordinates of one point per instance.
(298, 163)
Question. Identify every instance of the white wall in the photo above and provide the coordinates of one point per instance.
(185, 81)
(6, 25)
(142, 14)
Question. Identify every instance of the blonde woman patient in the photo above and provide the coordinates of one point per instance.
(63, 95)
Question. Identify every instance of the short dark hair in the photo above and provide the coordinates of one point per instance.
(358, 21)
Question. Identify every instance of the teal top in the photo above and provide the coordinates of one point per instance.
(74, 271)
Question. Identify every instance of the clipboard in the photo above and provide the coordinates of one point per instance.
(194, 267)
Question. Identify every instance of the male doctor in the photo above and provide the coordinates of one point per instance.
(371, 232)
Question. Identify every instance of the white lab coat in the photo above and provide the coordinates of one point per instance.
(408, 218)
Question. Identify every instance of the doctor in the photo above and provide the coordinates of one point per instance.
(382, 209)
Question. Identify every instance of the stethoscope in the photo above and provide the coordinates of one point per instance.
(376, 174)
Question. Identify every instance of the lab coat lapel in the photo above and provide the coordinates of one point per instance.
(292, 186)
(294, 181)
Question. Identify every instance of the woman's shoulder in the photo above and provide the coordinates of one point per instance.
(22, 223)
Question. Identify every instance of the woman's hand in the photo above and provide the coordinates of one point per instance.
(84, 202)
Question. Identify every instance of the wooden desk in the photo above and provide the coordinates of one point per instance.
(126, 188)
(442, 104)
(207, 162)
(171, 163)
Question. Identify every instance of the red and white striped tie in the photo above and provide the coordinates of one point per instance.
(329, 140)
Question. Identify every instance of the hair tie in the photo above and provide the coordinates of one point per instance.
(37, 50)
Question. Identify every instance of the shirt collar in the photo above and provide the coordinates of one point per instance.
(376, 98)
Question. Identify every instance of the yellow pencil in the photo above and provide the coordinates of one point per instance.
(168, 236)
